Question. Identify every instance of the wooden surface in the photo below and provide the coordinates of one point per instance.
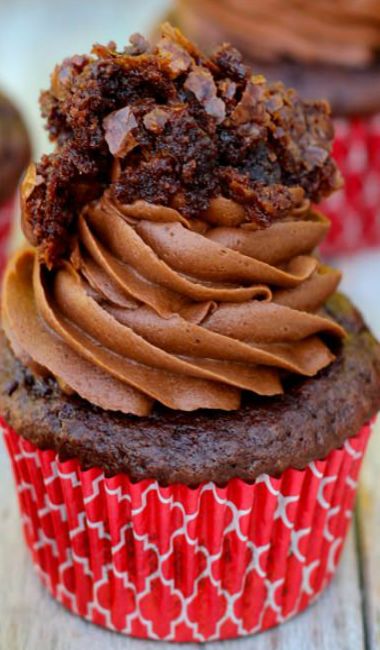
(347, 616)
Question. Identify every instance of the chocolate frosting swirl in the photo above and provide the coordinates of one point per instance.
(173, 231)
(340, 32)
(152, 307)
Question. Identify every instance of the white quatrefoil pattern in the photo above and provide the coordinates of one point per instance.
(355, 210)
(184, 564)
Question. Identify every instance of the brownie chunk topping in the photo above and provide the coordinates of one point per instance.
(169, 126)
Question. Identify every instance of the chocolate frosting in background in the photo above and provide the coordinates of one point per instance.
(324, 48)
(345, 32)
(154, 308)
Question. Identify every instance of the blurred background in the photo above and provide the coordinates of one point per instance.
(37, 34)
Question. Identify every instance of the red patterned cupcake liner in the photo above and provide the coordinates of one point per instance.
(183, 564)
(355, 210)
(6, 214)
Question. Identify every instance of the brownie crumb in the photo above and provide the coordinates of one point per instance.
(183, 128)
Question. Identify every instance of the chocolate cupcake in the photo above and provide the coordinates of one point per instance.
(180, 380)
(14, 157)
(323, 49)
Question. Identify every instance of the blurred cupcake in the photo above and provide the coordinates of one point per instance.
(185, 399)
(323, 49)
(14, 157)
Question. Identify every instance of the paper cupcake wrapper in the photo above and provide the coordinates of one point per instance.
(183, 564)
(355, 210)
(6, 214)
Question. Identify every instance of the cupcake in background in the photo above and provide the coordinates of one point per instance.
(14, 157)
(185, 398)
(323, 49)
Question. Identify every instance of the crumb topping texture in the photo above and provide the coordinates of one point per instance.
(169, 126)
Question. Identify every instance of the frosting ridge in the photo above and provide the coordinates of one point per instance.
(165, 310)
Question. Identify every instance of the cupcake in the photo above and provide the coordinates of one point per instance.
(14, 157)
(323, 49)
(185, 398)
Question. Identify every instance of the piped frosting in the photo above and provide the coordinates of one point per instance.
(173, 236)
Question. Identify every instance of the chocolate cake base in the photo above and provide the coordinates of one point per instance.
(266, 435)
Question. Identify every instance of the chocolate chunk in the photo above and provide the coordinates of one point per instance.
(227, 89)
(138, 45)
(174, 57)
(118, 127)
(156, 119)
(230, 61)
(251, 107)
(201, 83)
